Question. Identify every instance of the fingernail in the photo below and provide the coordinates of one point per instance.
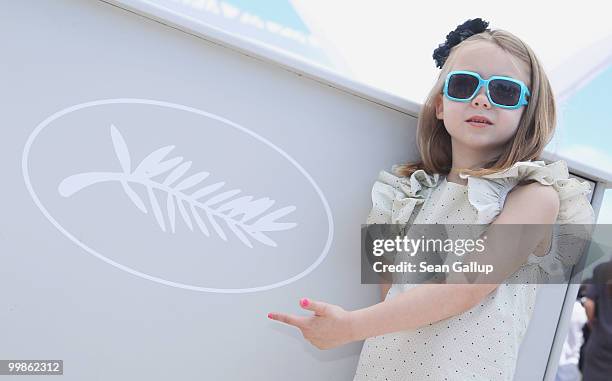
(270, 315)
(304, 302)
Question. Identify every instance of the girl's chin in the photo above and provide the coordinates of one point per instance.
(476, 142)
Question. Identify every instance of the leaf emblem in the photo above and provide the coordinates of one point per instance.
(208, 207)
(121, 149)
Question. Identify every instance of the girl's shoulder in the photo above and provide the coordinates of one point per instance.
(575, 218)
(488, 192)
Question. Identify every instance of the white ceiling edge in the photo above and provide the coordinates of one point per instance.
(265, 52)
(311, 70)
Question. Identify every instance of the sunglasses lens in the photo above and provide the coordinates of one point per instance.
(504, 92)
(462, 86)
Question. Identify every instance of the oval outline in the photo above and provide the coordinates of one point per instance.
(68, 110)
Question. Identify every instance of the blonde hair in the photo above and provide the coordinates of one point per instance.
(535, 129)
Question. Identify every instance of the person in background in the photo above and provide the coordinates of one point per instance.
(586, 331)
(570, 354)
(598, 305)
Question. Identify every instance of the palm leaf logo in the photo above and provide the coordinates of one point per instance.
(186, 194)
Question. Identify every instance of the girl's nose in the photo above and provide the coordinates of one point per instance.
(481, 100)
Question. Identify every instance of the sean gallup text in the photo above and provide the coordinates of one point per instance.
(424, 267)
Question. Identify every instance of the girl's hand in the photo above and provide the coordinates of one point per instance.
(329, 327)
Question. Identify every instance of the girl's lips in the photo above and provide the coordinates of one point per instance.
(479, 124)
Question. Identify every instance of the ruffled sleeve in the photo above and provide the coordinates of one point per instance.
(488, 193)
(394, 198)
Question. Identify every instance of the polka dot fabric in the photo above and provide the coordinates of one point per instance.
(483, 342)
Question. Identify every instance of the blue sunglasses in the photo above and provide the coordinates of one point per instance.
(504, 92)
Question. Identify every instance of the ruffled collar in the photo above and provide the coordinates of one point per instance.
(418, 180)
(488, 193)
(523, 169)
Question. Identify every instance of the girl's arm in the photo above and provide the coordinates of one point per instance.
(332, 326)
(428, 303)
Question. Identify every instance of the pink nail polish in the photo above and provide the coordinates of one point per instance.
(270, 316)
(304, 302)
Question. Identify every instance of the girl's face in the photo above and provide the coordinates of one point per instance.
(486, 59)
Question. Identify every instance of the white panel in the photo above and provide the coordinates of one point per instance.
(90, 278)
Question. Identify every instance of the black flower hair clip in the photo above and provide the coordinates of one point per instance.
(463, 31)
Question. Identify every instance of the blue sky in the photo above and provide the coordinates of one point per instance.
(587, 117)
(586, 122)
(590, 109)
(280, 11)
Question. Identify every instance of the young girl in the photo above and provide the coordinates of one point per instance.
(477, 141)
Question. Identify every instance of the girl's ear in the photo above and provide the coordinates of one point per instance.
(439, 107)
